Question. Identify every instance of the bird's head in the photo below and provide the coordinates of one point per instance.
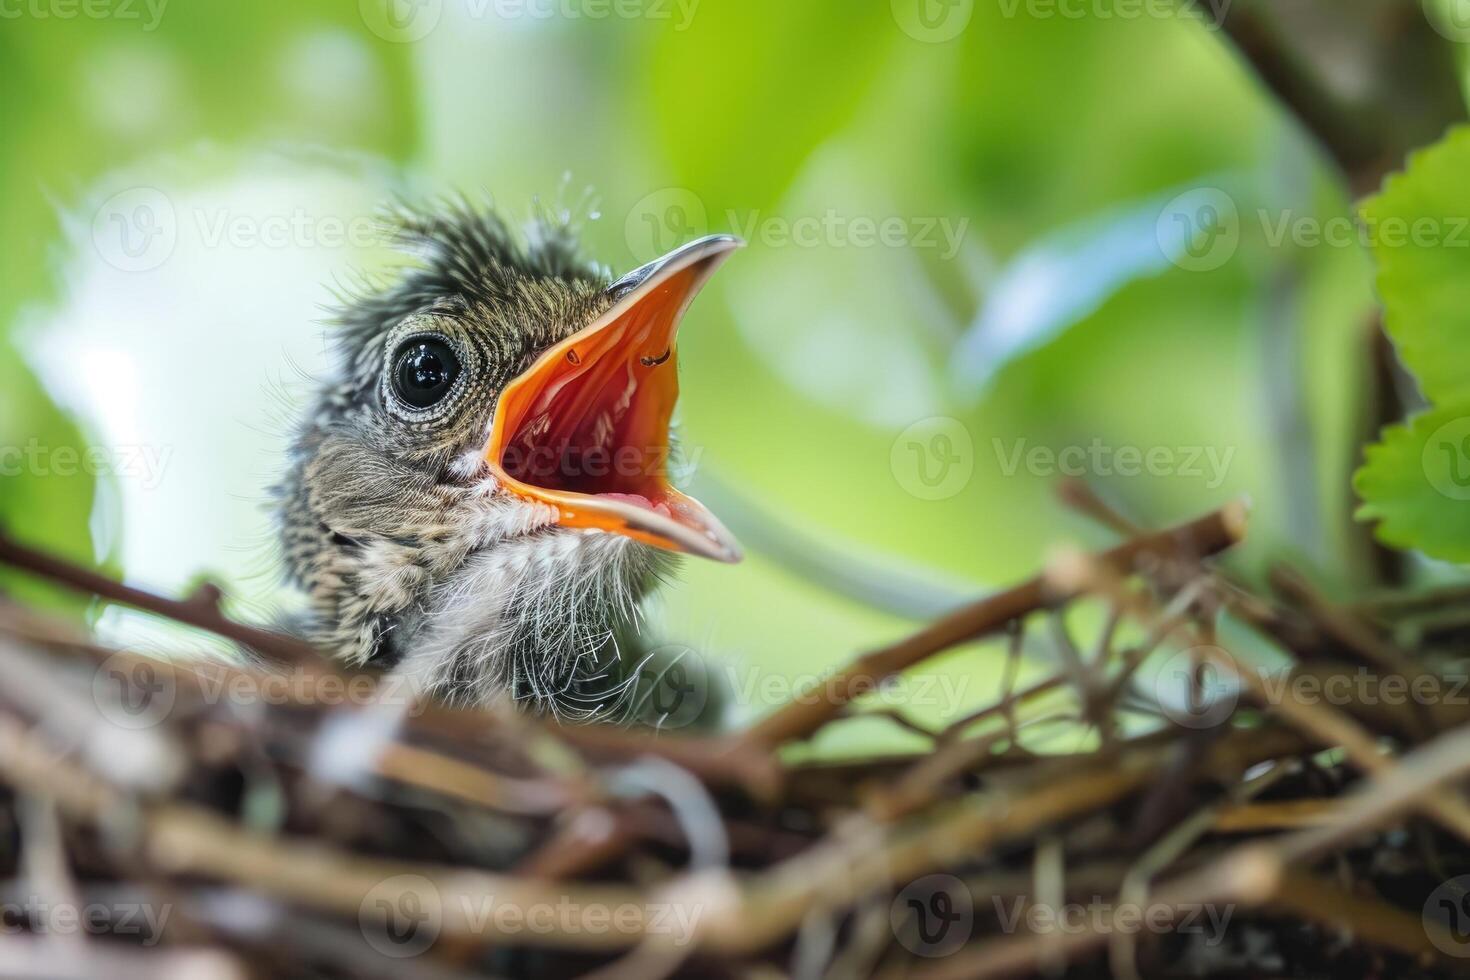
(481, 494)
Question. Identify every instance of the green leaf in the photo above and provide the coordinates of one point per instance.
(46, 494)
(1416, 484)
(750, 89)
(1419, 227)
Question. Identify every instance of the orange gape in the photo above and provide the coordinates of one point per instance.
(586, 428)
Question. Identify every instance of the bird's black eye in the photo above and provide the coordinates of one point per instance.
(424, 370)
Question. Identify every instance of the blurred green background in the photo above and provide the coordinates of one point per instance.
(184, 183)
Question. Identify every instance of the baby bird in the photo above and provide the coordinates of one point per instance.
(479, 497)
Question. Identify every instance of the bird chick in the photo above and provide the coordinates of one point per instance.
(479, 496)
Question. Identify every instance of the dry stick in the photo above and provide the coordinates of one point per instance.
(1169, 849)
(1255, 873)
(1017, 631)
(589, 840)
(1394, 603)
(1256, 818)
(202, 612)
(186, 839)
(717, 761)
(596, 836)
(1368, 919)
(1343, 625)
(1366, 141)
(921, 784)
(778, 897)
(27, 957)
(1333, 728)
(804, 716)
(1352, 145)
(928, 778)
(1005, 706)
(1253, 611)
(1134, 888)
(1082, 497)
(899, 720)
(1329, 727)
(1325, 627)
(457, 779)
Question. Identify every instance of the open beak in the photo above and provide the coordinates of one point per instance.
(586, 428)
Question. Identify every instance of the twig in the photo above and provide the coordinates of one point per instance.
(206, 615)
(1252, 874)
(1352, 146)
(1256, 818)
(802, 717)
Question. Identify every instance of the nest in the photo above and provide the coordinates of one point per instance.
(162, 819)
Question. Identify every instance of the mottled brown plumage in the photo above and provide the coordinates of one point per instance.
(413, 556)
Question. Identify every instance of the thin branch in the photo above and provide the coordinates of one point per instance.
(799, 719)
(200, 610)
